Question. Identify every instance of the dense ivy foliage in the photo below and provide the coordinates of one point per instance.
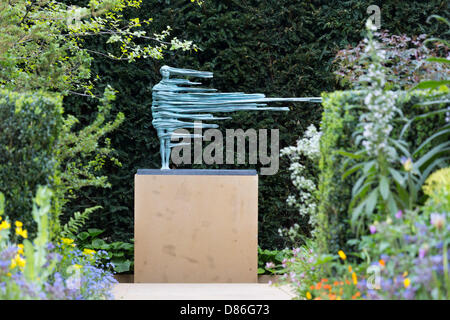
(30, 123)
(280, 48)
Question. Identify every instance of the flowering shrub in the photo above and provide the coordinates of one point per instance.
(305, 154)
(318, 276)
(42, 270)
(342, 285)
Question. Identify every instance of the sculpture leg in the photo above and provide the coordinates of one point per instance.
(162, 149)
(166, 153)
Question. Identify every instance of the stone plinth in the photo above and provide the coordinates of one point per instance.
(196, 226)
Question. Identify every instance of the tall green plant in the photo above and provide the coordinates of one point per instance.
(382, 187)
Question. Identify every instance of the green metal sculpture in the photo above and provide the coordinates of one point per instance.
(177, 105)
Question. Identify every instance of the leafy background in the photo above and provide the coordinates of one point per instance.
(281, 48)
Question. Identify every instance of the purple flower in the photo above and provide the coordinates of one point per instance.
(422, 253)
(399, 214)
(372, 229)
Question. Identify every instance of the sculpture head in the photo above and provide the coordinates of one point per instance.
(167, 71)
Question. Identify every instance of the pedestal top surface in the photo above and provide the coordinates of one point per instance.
(198, 172)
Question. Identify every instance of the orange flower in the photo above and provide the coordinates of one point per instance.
(327, 287)
(336, 283)
(324, 280)
(347, 282)
(356, 295)
(382, 263)
(350, 269)
(311, 287)
(332, 296)
(318, 298)
(318, 286)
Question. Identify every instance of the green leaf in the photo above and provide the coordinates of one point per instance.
(93, 232)
(392, 205)
(349, 155)
(384, 187)
(121, 266)
(368, 166)
(98, 243)
(118, 254)
(383, 246)
(440, 148)
(28, 250)
(352, 170)
(439, 60)
(431, 84)
(443, 131)
(371, 201)
(261, 271)
(397, 176)
(83, 235)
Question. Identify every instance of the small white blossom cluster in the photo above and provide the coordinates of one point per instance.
(379, 103)
(307, 149)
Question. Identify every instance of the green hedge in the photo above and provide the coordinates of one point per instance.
(29, 126)
(340, 118)
(280, 48)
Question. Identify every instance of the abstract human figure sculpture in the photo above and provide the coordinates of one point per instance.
(177, 105)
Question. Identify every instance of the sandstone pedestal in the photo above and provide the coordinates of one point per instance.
(196, 226)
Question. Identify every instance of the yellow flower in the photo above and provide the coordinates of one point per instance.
(88, 251)
(21, 232)
(20, 261)
(342, 255)
(354, 278)
(17, 261)
(19, 224)
(350, 269)
(308, 295)
(4, 225)
(67, 241)
(20, 250)
(77, 266)
(405, 274)
(406, 282)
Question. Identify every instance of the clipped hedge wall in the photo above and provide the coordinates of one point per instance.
(29, 126)
(342, 110)
(280, 48)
